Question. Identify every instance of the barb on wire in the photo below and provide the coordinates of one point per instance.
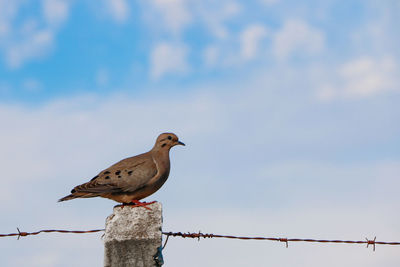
(199, 235)
(371, 242)
(284, 240)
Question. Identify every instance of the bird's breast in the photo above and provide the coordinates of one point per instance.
(163, 166)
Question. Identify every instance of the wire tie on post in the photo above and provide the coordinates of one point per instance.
(166, 240)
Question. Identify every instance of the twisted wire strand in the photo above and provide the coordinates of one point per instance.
(200, 235)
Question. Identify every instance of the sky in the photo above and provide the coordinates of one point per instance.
(289, 111)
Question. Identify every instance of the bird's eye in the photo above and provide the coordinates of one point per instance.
(169, 137)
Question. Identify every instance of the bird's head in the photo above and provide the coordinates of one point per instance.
(166, 141)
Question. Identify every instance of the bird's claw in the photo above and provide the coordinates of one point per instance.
(137, 203)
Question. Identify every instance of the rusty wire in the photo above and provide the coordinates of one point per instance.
(20, 234)
(200, 235)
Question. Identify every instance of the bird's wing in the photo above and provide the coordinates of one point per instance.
(127, 175)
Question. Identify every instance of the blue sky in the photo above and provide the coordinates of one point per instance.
(53, 49)
(289, 110)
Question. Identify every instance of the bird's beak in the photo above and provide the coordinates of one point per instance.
(180, 143)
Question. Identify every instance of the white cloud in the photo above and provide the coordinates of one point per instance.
(235, 50)
(214, 16)
(173, 18)
(296, 36)
(8, 10)
(168, 58)
(55, 11)
(174, 14)
(35, 44)
(118, 9)
(250, 40)
(34, 37)
(362, 77)
(366, 76)
(230, 9)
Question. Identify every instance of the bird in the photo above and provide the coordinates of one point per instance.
(131, 179)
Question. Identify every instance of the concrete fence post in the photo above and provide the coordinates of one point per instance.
(133, 237)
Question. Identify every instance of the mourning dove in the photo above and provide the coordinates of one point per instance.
(132, 178)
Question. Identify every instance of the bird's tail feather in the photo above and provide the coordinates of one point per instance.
(78, 195)
(69, 197)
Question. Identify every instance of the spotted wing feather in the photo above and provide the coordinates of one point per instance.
(127, 175)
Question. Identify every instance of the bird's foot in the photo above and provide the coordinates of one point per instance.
(136, 203)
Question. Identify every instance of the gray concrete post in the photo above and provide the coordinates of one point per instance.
(133, 237)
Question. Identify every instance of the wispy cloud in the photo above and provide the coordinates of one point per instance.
(178, 15)
(362, 77)
(35, 36)
(297, 36)
(118, 9)
(55, 11)
(35, 44)
(250, 40)
(215, 16)
(174, 14)
(8, 11)
(168, 58)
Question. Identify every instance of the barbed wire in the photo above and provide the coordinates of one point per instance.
(200, 235)
(20, 234)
